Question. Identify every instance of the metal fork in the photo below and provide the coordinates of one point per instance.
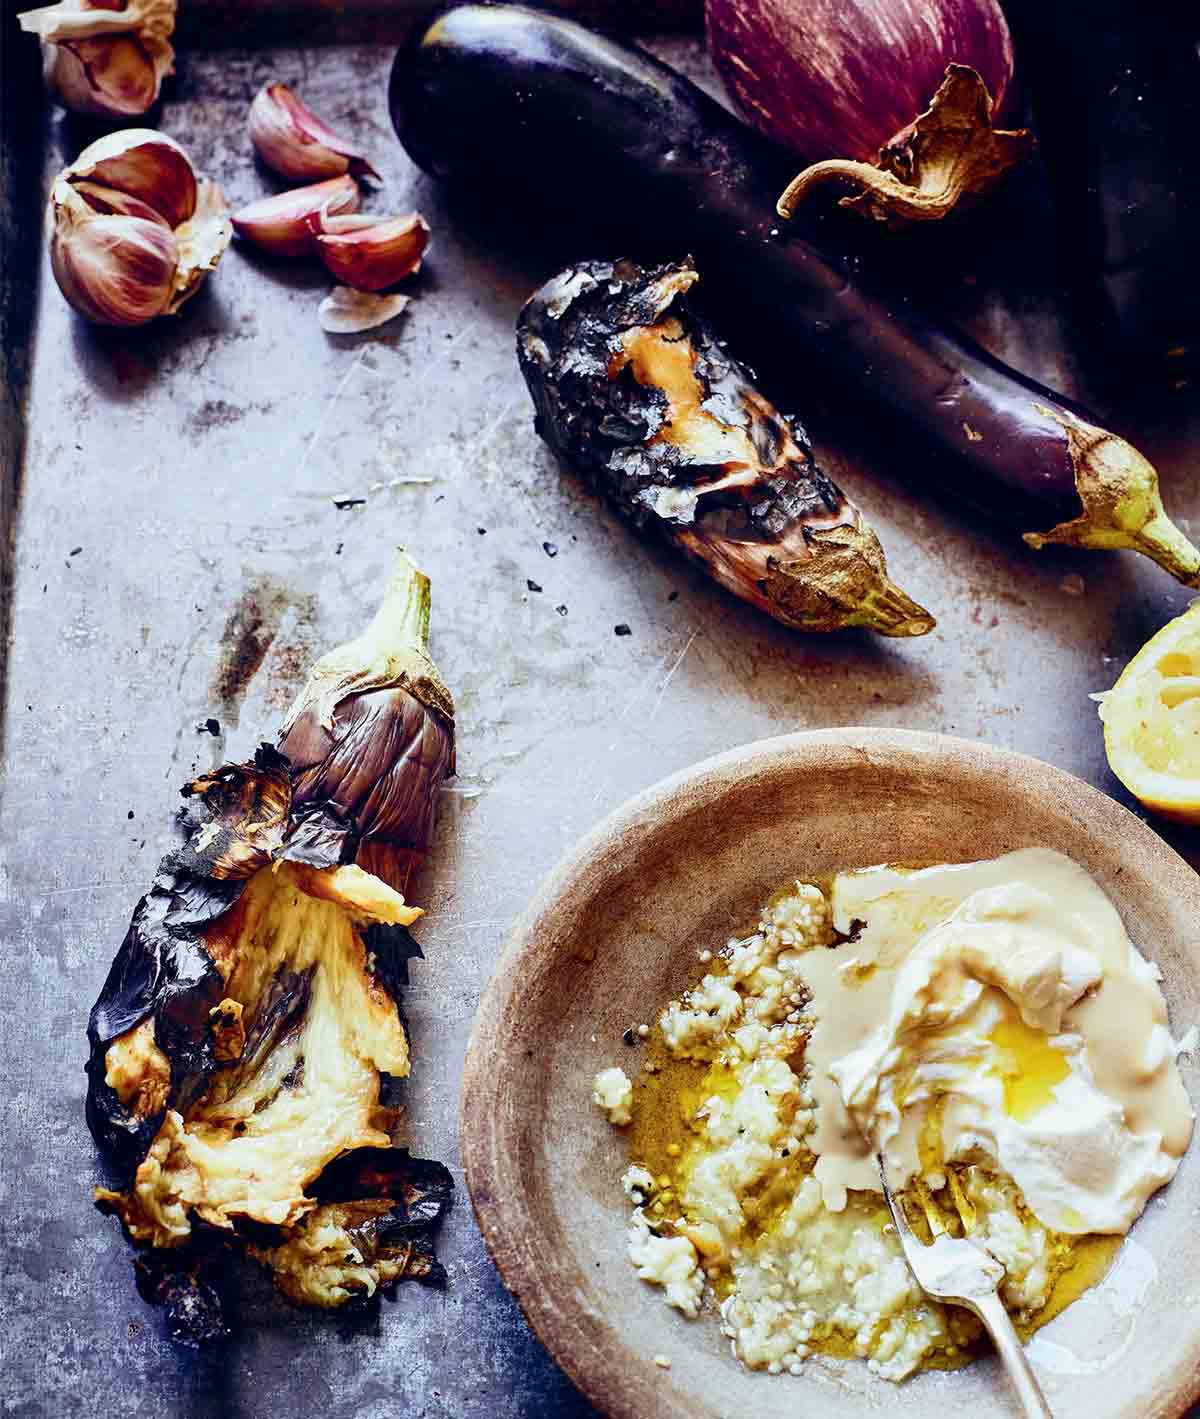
(958, 1270)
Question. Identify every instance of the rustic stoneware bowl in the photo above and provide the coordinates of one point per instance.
(614, 933)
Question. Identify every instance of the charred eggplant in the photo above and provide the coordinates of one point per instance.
(632, 388)
(238, 1044)
(673, 171)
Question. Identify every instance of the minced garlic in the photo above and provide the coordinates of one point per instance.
(612, 1093)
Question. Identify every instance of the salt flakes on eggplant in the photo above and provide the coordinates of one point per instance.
(239, 1044)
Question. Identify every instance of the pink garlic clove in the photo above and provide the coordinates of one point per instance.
(281, 224)
(373, 257)
(294, 142)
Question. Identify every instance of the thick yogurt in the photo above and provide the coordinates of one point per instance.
(994, 1011)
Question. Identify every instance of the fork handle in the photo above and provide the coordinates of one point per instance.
(991, 1311)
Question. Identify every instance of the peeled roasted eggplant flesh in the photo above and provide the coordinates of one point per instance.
(634, 389)
(238, 1045)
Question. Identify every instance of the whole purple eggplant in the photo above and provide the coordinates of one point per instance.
(894, 97)
(566, 131)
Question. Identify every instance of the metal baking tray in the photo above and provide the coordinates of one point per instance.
(177, 556)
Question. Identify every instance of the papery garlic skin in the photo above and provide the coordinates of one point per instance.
(112, 202)
(134, 232)
(106, 61)
(281, 224)
(369, 253)
(295, 143)
(345, 311)
(202, 241)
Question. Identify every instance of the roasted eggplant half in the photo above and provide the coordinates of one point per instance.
(635, 390)
(239, 1044)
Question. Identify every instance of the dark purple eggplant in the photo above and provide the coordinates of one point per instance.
(238, 1044)
(898, 99)
(568, 129)
(637, 392)
(1116, 95)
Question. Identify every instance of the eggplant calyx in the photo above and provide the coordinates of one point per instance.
(392, 651)
(820, 578)
(845, 585)
(1122, 508)
(948, 153)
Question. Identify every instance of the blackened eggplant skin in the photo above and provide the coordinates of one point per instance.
(1116, 94)
(635, 391)
(558, 121)
(162, 971)
(256, 1001)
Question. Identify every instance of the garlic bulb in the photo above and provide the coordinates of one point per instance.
(371, 253)
(281, 224)
(295, 143)
(104, 59)
(134, 233)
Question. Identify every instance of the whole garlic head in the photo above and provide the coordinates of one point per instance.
(135, 232)
(104, 57)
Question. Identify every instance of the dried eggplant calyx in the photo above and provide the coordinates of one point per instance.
(633, 389)
(238, 1044)
(371, 734)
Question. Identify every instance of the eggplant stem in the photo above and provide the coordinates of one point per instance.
(393, 650)
(948, 153)
(837, 169)
(1164, 543)
(402, 620)
(890, 612)
(1120, 501)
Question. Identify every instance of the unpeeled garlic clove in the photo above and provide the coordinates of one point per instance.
(108, 60)
(294, 142)
(114, 270)
(111, 202)
(134, 231)
(142, 163)
(281, 224)
(368, 253)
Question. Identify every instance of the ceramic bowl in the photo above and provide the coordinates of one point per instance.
(613, 934)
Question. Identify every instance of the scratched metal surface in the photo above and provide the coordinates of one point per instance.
(180, 558)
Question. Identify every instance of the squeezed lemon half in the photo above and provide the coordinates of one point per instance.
(1152, 720)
